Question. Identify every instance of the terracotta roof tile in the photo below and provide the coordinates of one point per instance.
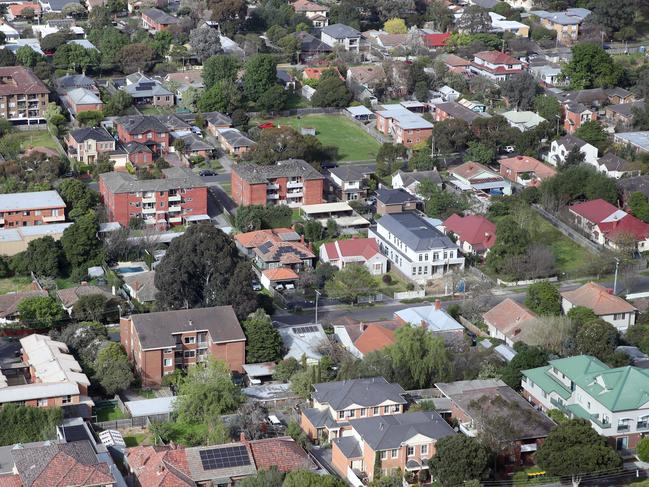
(16, 80)
(375, 337)
(497, 57)
(474, 229)
(521, 164)
(509, 317)
(280, 274)
(599, 299)
(283, 452)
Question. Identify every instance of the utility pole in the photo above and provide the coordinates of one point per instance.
(617, 264)
(317, 294)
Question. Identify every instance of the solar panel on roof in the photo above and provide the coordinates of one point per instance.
(265, 247)
(234, 456)
(305, 329)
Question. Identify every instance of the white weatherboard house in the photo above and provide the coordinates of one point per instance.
(414, 246)
(560, 148)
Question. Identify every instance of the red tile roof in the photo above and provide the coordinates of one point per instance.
(436, 40)
(474, 229)
(629, 225)
(282, 452)
(610, 220)
(64, 470)
(374, 337)
(522, 164)
(16, 80)
(355, 247)
(259, 237)
(316, 73)
(307, 6)
(10, 480)
(17, 10)
(496, 57)
(598, 298)
(509, 317)
(159, 466)
(594, 211)
(280, 274)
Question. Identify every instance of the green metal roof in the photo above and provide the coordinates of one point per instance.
(618, 389)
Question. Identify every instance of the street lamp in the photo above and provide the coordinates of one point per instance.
(317, 294)
(617, 264)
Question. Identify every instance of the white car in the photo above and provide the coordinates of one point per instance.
(510, 148)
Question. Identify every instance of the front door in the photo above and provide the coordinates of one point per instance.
(622, 443)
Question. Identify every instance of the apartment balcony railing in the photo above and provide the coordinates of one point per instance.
(175, 197)
(294, 184)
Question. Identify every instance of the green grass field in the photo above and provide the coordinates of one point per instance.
(110, 413)
(37, 138)
(336, 130)
(14, 284)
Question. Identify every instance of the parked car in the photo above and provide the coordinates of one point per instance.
(256, 286)
(509, 149)
(207, 172)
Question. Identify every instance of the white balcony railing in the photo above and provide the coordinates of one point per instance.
(149, 200)
(294, 184)
(272, 186)
(54, 218)
(272, 196)
(296, 194)
(148, 211)
(175, 208)
(175, 219)
(175, 197)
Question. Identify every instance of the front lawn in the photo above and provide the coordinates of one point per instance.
(37, 138)
(353, 143)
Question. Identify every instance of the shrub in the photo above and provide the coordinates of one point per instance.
(387, 279)
(643, 449)
(410, 286)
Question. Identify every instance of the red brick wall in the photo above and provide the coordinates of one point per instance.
(87, 108)
(141, 158)
(313, 189)
(156, 138)
(125, 336)
(233, 353)
(414, 137)
(440, 115)
(151, 368)
(18, 219)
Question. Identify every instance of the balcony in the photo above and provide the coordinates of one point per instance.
(642, 425)
(53, 218)
(174, 198)
(175, 219)
(148, 200)
(623, 427)
(272, 196)
(175, 208)
(295, 194)
(294, 184)
(149, 211)
(272, 186)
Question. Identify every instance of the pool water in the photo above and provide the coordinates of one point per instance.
(128, 270)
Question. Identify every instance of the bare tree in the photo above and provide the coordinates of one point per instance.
(555, 333)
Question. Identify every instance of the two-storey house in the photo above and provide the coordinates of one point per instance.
(525, 170)
(606, 305)
(334, 404)
(33, 208)
(86, 144)
(495, 65)
(404, 126)
(316, 13)
(614, 400)
(292, 182)
(560, 148)
(343, 35)
(157, 20)
(348, 182)
(179, 197)
(565, 23)
(145, 130)
(355, 251)
(159, 343)
(415, 246)
(473, 233)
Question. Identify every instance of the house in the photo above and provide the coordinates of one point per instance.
(410, 180)
(66, 463)
(455, 64)
(627, 186)
(452, 109)
(360, 338)
(395, 201)
(316, 13)
(216, 121)
(175, 198)
(346, 218)
(72, 81)
(473, 176)
(613, 400)
(548, 73)
(622, 114)
(274, 254)
(11, 34)
(247, 242)
(565, 24)
(363, 80)
(348, 182)
(184, 80)
(310, 47)
(193, 146)
(475, 106)
(80, 100)
(495, 65)
(508, 321)
(156, 20)
(56, 6)
(225, 464)
(525, 170)
(500, 24)
(560, 148)
(575, 115)
(434, 40)
(141, 286)
(70, 296)
(86, 144)
(639, 141)
(524, 120)
(33, 208)
(147, 91)
(305, 342)
(16, 11)
(234, 142)
(340, 34)
(603, 303)
(397, 443)
(9, 304)
(415, 247)
(473, 233)
(433, 318)
(293, 182)
(404, 126)
(46, 376)
(16, 239)
(608, 225)
(159, 343)
(315, 73)
(334, 404)
(145, 130)
(619, 95)
(23, 96)
(616, 167)
(471, 400)
(355, 251)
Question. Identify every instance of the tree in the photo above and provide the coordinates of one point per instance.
(597, 338)
(252, 417)
(421, 160)
(527, 357)
(575, 157)
(257, 217)
(223, 96)
(203, 268)
(591, 67)
(263, 341)
(313, 231)
(78, 197)
(543, 298)
(421, 91)
(520, 90)
(135, 57)
(229, 14)
(52, 41)
(593, 133)
(54, 117)
(285, 369)
(44, 257)
(613, 17)
(7, 58)
(205, 42)
(451, 135)
(459, 458)
(639, 206)
(475, 19)
(80, 243)
(118, 103)
(439, 14)
(332, 92)
(28, 423)
(206, 392)
(642, 449)
(278, 144)
(479, 152)
(112, 369)
(273, 99)
(350, 283)
(264, 478)
(332, 228)
(439, 203)
(547, 107)
(26, 56)
(395, 26)
(222, 67)
(573, 449)
(40, 312)
(90, 118)
(260, 75)
(303, 478)
(74, 10)
(96, 308)
(512, 241)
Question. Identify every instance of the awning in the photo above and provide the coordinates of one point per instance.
(197, 218)
(528, 447)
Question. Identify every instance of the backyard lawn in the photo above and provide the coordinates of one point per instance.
(109, 413)
(37, 138)
(353, 143)
(15, 284)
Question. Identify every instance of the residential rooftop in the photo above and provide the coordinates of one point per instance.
(255, 174)
(174, 178)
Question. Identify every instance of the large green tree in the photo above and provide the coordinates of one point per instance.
(513, 240)
(263, 341)
(574, 449)
(331, 92)
(597, 338)
(459, 458)
(96, 307)
(80, 243)
(40, 312)
(78, 197)
(350, 283)
(527, 357)
(203, 268)
(44, 257)
(222, 67)
(520, 90)
(593, 133)
(303, 478)
(548, 107)
(223, 96)
(28, 423)
(260, 74)
(112, 369)
(439, 203)
(591, 67)
(205, 42)
(543, 298)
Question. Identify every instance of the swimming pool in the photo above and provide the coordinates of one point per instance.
(129, 270)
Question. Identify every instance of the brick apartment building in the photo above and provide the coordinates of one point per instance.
(145, 130)
(179, 197)
(33, 208)
(404, 126)
(23, 97)
(293, 182)
(159, 343)
(157, 20)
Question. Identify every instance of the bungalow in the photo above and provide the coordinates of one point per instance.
(523, 120)
(433, 318)
(82, 100)
(307, 342)
(147, 91)
(234, 142)
(363, 80)
(395, 201)
(410, 180)
(525, 170)
(560, 148)
(216, 121)
(434, 40)
(473, 176)
(473, 233)
(616, 167)
(455, 64)
(622, 114)
(603, 302)
(452, 109)
(509, 321)
(360, 338)
(355, 251)
(619, 95)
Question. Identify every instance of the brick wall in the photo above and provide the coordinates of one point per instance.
(313, 189)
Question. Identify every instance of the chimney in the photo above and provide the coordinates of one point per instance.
(302, 239)
(84, 283)
(191, 323)
(438, 304)
(609, 290)
(423, 324)
(160, 468)
(242, 437)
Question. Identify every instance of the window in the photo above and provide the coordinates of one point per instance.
(424, 449)
(395, 408)
(190, 353)
(363, 412)
(349, 414)
(162, 203)
(66, 400)
(190, 339)
(384, 454)
(376, 411)
(386, 409)
(341, 414)
(618, 316)
(421, 257)
(411, 451)
(167, 362)
(41, 403)
(395, 453)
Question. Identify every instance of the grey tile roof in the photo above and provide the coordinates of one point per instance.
(570, 141)
(133, 147)
(194, 143)
(319, 418)
(235, 138)
(175, 178)
(217, 118)
(288, 168)
(416, 232)
(363, 392)
(340, 31)
(99, 134)
(143, 284)
(389, 196)
(139, 124)
(626, 109)
(57, 5)
(309, 43)
(83, 96)
(347, 172)
(160, 16)
(75, 81)
(458, 111)
(418, 176)
(145, 88)
(387, 432)
(349, 446)
(155, 329)
(614, 163)
(633, 184)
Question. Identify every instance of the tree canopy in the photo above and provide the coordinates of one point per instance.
(459, 458)
(591, 67)
(263, 341)
(350, 283)
(543, 298)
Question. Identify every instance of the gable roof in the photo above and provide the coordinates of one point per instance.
(340, 31)
(496, 57)
(374, 337)
(610, 220)
(283, 453)
(509, 317)
(595, 210)
(520, 164)
(354, 247)
(83, 96)
(612, 162)
(458, 111)
(416, 232)
(407, 178)
(256, 238)
(71, 295)
(436, 319)
(597, 298)
(308, 6)
(469, 170)
(9, 302)
(389, 196)
(19, 80)
(474, 229)
(100, 134)
(570, 141)
(159, 16)
(139, 124)
(361, 392)
(436, 40)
